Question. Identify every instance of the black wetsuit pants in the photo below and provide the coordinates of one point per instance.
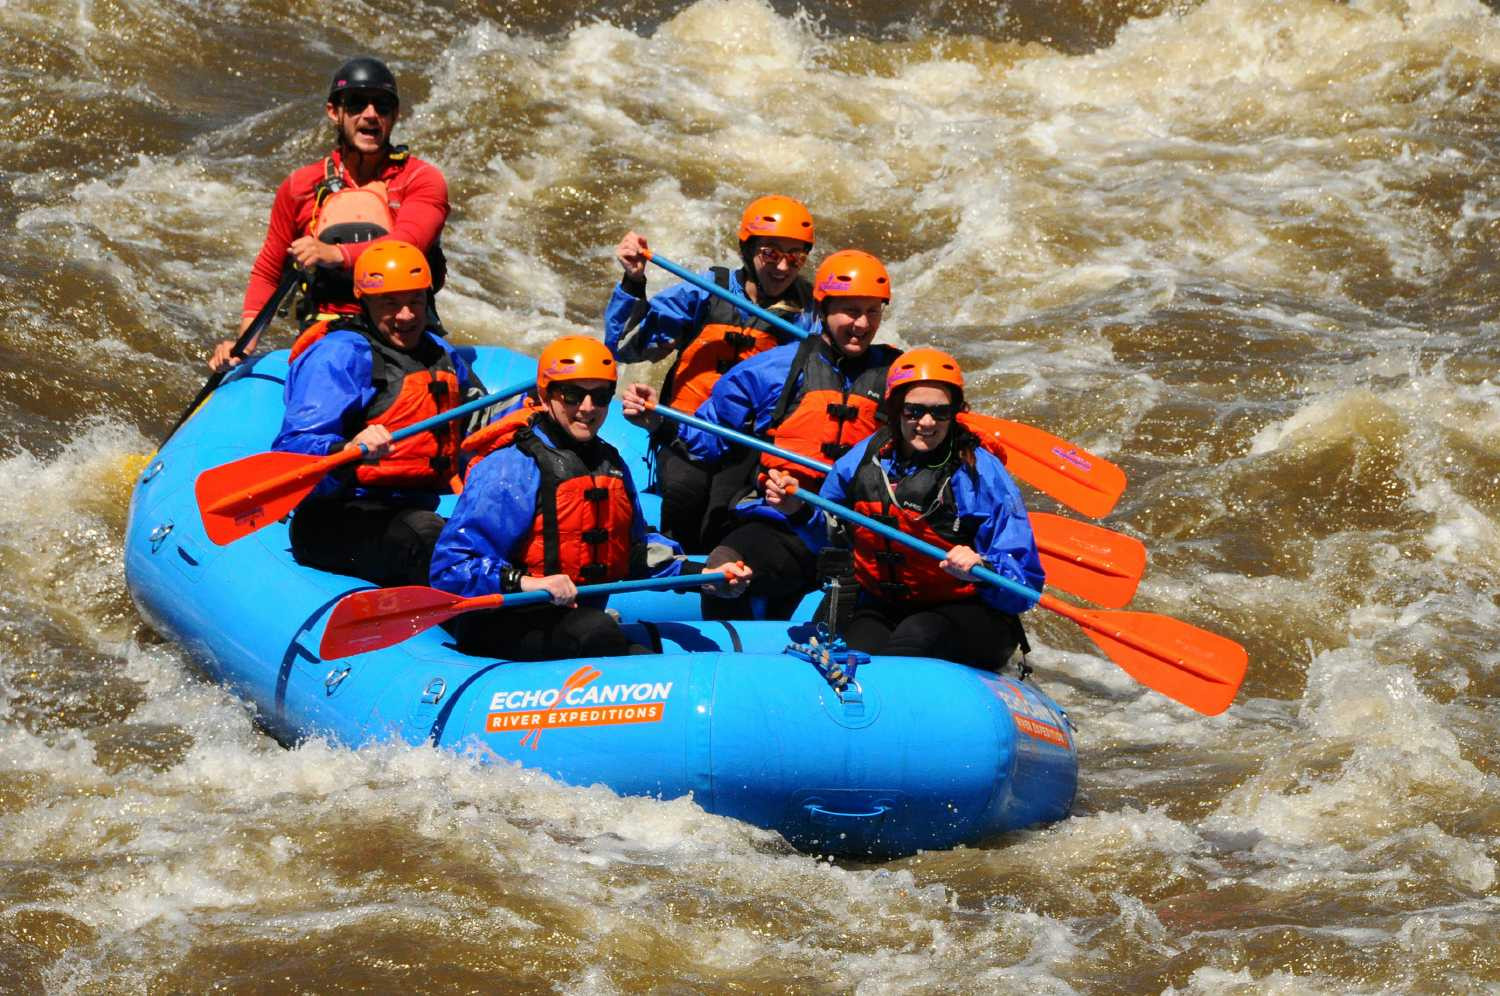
(970, 631)
(380, 543)
(785, 571)
(684, 487)
(696, 502)
(539, 633)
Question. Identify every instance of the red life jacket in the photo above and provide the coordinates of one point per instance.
(920, 504)
(409, 388)
(720, 343)
(821, 418)
(584, 511)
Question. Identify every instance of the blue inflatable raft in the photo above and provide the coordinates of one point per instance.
(912, 754)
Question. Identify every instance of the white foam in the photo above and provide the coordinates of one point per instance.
(1394, 764)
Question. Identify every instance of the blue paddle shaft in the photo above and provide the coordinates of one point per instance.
(616, 587)
(730, 296)
(739, 437)
(895, 535)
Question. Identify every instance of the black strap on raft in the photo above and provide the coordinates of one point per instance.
(836, 568)
(1024, 668)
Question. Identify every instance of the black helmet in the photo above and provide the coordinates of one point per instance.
(363, 73)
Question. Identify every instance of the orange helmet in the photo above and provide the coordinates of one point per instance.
(776, 217)
(923, 365)
(851, 273)
(391, 267)
(574, 357)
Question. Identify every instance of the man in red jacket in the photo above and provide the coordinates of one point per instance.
(327, 213)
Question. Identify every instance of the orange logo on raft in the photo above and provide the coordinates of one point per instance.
(1041, 731)
(579, 702)
(1032, 718)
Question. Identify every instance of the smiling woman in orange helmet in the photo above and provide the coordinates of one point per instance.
(548, 506)
(929, 477)
(358, 379)
(708, 334)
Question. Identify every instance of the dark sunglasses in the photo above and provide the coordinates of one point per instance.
(354, 103)
(939, 413)
(572, 394)
(770, 255)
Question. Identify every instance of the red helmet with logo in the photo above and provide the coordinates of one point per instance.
(391, 267)
(776, 217)
(575, 357)
(923, 366)
(851, 273)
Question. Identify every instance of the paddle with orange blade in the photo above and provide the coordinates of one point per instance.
(1080, 480)
(238, 498)
(1089, 561)
(1077, 478)
(1202, 670)
(383, 617)
(1082, 559)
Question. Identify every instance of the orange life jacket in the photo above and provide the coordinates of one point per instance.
(721, 343)
(409, 387)
(343, 214)
(583, 509)
(822, 418)
(922, 505)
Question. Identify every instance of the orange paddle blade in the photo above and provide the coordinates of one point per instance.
(240, 497)
(1202, 670)
(1080, 480)
(383, 617)
(1089, 561)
